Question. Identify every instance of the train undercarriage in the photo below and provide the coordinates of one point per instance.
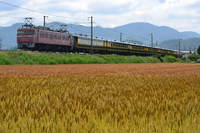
(81, 49)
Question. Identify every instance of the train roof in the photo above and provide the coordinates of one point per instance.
(115, 41)
(43, 28)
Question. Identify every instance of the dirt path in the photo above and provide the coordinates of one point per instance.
(103, 69)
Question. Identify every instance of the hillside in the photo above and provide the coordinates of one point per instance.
(186, 45)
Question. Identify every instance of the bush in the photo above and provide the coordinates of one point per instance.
(193, 57)
(169, 59)
(198, 50)
(5, 61)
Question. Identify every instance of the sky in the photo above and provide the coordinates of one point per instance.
(183, 15)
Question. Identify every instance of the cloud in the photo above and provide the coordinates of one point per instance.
(162, 1)
(180, 14)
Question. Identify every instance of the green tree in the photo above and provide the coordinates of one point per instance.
(198, 50)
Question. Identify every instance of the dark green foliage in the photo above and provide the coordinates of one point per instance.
(5, 61)
(198, 50)
(194, 57)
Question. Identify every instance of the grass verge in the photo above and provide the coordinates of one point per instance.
(30, 58)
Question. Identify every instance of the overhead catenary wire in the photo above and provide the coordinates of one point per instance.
(40, 12)
(86, 23)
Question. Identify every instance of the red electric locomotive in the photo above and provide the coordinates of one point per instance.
(42, 38)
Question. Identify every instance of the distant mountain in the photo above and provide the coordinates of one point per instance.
(185, 45)
(8, 36)
(190, 34)
(134, 31)
(141, 31)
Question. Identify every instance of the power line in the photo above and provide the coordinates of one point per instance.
(13, 5)
(35, 11)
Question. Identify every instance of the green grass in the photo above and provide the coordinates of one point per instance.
(30, 58)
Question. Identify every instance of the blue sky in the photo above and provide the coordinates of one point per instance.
(183, 15)
(4, 7)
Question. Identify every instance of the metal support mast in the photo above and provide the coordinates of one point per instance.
(179, 46)
(44, 24)
(152, 40)
(91, 19)
(120, 37)
(0, 44)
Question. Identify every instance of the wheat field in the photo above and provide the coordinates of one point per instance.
(158, 98)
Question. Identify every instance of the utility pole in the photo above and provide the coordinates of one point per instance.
(156, 43)
(179, 46)
(0, 44)
(91, 19)
(184, 48)
(121, 37)
(195, 50)
(152, 40)
(190, 49)
(45, 20)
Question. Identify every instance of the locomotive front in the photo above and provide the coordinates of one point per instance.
(26, 38)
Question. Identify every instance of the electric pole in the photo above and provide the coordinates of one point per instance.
(91, 19)
(152, 40)
(195, 50)
(179, 46)
(0, 44)
(156, 43)
(120, 37)
(45, 20)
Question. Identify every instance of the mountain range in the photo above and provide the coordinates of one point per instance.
(166, 37)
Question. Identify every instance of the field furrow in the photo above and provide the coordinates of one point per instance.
(137, 98)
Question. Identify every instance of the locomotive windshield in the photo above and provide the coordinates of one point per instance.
(29, 32)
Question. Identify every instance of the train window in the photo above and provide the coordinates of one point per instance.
(51, 36)
(41, 34)
(20, 32)
(67, 38)
(45, 35)
(63, 37)
(25, 31)
(48, 35)
(60, 37)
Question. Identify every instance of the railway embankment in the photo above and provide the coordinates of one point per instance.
(37, 58)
